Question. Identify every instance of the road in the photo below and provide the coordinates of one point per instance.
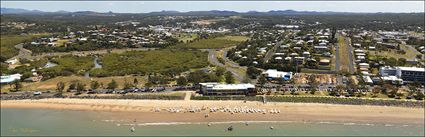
(23, 53)
(229, 65)
(351, 66)
(271, 52)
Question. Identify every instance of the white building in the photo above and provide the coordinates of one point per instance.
(217, 89)
(10, 78)
(409, 74)
(274, 74)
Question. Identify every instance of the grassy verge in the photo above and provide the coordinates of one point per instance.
(343, 54)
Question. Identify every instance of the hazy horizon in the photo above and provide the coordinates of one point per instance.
(239, 6)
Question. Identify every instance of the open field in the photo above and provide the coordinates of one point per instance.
(185, 37)
(51, 83)
(213, 43)
(410, 53)
(8, 42)
(343, 55)
(170, 61)
(235, 38)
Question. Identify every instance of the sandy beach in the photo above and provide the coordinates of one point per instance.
(159, 111)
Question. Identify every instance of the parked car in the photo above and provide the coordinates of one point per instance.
(37, 93)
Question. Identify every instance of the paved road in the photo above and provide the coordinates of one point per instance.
(351, 66)
(271, 52)
(23, 53)
(212, 58)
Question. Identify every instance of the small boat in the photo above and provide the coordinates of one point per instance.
(209, 124)
(271, 127)
(246, 123)
(132, 129)
(230, 128)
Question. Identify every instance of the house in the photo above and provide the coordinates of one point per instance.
(12, 61)
(299, 60)
(324, 62)
(10, 78)
(364, 65)
(218, 89)
(357, 45)
(273, 74)
(320, 49)
(306, 54)
(359, 51)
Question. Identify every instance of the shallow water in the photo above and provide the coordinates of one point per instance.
(67, 122)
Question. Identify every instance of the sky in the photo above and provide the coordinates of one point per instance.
(241, 6)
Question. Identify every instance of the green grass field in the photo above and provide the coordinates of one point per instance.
(410, 53)
(186, 36)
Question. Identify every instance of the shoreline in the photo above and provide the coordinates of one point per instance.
(145, 111)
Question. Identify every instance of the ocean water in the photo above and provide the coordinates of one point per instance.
(67, 122)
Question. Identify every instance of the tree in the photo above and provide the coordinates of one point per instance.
(253, 72)
(376, 90)
(229, 77)
(387, 88)
(340, 88)
(17, 85)
(313, 83)
(135, 81)
(73, 85)
(127, 85)
(60, 86)
(401, 61)
(94, 85)
(182, 81)
(112, 85)
(80, 87)
(220, 71)
(262, 80)
(419, 95)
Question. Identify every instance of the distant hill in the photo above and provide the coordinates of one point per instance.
(165, 12)
(18, 11)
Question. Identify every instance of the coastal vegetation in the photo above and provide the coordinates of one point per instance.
(7, 49)
(68, 65)
(168, 62)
